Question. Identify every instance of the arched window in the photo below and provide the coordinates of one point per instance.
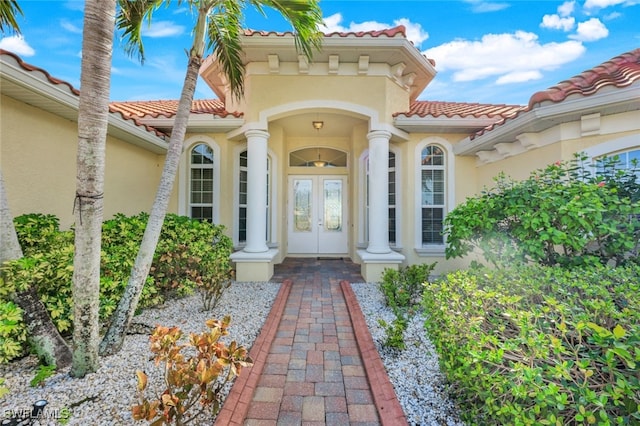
(201, 164)
(393, 200)
(627, 160)
(433, 186)
(242, 197)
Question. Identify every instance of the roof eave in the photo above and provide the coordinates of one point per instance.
(545, 116)
(430, 124)
(60, 100)
(198, 123)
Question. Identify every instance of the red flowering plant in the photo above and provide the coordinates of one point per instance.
(570, 213)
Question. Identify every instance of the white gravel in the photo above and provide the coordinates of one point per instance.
(414, 371)
(105, 398)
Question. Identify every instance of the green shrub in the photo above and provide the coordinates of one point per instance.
(539, 345)
(190, 255)
(13, 333)
(402, 289)
(193, 255)
(36, 232)
(394, 332)
(563, 215)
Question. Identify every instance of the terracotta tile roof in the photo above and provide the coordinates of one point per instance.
(389, 32)
(460, 109)
(56, 81)
(31, 68)
(168, 108)
(620, 71)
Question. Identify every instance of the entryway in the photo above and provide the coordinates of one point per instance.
(317, 215)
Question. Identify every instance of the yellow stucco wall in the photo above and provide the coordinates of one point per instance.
(38, 158)
(375, 92)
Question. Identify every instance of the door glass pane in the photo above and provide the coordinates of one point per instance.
(333, 205)
(302, 206)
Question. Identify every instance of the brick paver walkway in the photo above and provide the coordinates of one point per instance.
(315, 361)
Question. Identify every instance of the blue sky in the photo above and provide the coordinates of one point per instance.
(485, 51)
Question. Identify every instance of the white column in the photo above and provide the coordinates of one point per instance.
(256, 191)
(378, 192)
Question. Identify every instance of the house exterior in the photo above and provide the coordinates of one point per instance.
(331, 158)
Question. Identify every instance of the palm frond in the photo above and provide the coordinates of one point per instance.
(8, 11)
(224, 32)
(305, 16)
(131, 16)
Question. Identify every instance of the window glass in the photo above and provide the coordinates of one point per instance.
(433, 186)
(201, 183)
(392, 188)
(242, 198)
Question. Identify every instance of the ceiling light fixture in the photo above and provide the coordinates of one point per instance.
(319, 162)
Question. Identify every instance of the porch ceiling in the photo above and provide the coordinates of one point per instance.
(335, 125)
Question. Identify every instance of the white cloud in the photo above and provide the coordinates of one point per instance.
(519, 77)
(555, 22)
(590, 30)
(508, 58)
(562, 20)
(611, 16)
(566, 8)
(17, 45)
(601, 4)
(482, 6)
(162, 29)
(70, 27)
(414, 31)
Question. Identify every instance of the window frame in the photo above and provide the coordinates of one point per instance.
(449, 193)
(184, 187)
(272, 209)
(363, 232)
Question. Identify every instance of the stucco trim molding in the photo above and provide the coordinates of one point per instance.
(320, 105)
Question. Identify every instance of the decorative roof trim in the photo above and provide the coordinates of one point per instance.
(33, 71)
(388, 32)
(621, 71)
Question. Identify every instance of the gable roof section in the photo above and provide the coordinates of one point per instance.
(609, 88)
(35, 86)
(409, 66)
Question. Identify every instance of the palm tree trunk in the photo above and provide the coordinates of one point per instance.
(95, 79)
(113, 339)
(43, 334)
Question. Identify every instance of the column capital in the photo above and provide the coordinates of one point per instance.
(379, 134)
(256, 133)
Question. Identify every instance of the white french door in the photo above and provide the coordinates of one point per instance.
(317, 212)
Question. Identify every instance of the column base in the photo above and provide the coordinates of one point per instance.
(254, 266)
(372, 265)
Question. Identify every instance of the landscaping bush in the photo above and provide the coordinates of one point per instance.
(538, 345)
(402, 290)
(190, 255)
(194, 382)
(565, 214)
